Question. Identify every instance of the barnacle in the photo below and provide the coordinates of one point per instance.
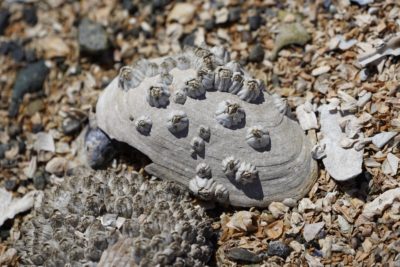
(204, 132)
(152, 69)
(204, 188)
(166, 78)
(167, 65)
(180, 97)
(246, 173)
(221, 53)
(129, 78)
(223, 79)
(207, 78)
(117, 236)
(251, 90)
(158, 96)
(230, 165)
(257, 137)
(237, 83)
(177, 121)
(234, 67)
(197, 144)
(143, 125)
(221, 193)
(194, 88)
(203, 170)
(182, 63)
(229, 114)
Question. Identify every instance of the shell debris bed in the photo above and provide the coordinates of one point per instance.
(199, 111)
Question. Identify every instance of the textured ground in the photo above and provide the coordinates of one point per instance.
(326, 227)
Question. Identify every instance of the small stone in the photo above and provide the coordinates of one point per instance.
(34, 106)
(10, 184)
(209, 24)
(320, 70)
(44, 141)
(242, 255)
(257, 53)
(30, 79)
(381, 139)
(57, 166)
(129, 6)
(3, 149)
(277, 209)
(4, 19)
(182, 13)
(159, 4)
(234, 14)
(92, 37)
(277, 248)
(71, 126)
(221, 16)
(39, 180)
(255, 20)
(54, 47)
(310, 231)
(390, 165)
(29, 15)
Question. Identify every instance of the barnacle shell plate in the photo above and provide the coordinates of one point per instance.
(285, 170)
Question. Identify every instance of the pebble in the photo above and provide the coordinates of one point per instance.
(182, 13)
(320, 70)
(39, 180)
(93, 39)
(30, 79)
(3, 149)
(257, 53)
(277, 209)
(159, 4)
(4, 19)
(129, 6)
(57, 166)
(209, 24)
(242, 255)
(381, 139)
(10, 184)
(234, 14)
(310, 231)
(277, 248)
(221, 16)
(99, 148)
(71, 126)
(255, 20)
(29, 15)
(14, 130)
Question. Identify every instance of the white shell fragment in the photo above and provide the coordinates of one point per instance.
(390, 165)
(390, 48)
(44, 141)
(381, 139)
(379, 204)
(311, 230)
(306, 116)
(258, 138)
(10, 207)
(342, 164)
(215, 105)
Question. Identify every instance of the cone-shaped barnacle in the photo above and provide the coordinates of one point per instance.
(166, 78)
(180, 97)
(182, 63)
(197, 144)
(158, 95)
(229, 114)
(167, 65)
(234, 66)
(143, 125)
(207, 78)
(152, 69)
(177, 121)
(201, 52)
(223, 79)
(203, 170)
(280, 103)
(251, 90)
(221, 193)
(202, 187)
(237, 83)
(230, 165)
(258, 138)
(222, 54)
(194, 88)
(246, 173)
(129, 78)
(204, 132)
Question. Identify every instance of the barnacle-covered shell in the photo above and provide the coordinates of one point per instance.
(143, 124)
(229, 114)
(177, 121)
(155, 224)
(158, 95)
(257, 137)
(285, 167)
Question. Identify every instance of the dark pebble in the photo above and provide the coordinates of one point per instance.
(129, 6)
(209, 24)
(30, 16)
(10, 184)
(3, 149)
(14, 130)
(4, 19)
(37, 127)
(99, 148)
(92, 37)
(242, 255)
(188, 40)
(18, 53)
(160, 4)
(30, 79)
(255, 22)
(257, 53)
(234, 14)
(71, 126)
(30, 56)
(39, 180)
(277, 248)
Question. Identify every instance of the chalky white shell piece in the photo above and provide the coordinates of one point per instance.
(285, 170)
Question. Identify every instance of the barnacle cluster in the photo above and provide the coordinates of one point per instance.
(108, 217)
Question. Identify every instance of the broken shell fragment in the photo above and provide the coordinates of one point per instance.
(177, 121)
(203, 170)
(258, 138)
(230, 165)
(229, 114)
(129, 78)
(143, 125)
(251, 90)
(158, 96)
(246, 173)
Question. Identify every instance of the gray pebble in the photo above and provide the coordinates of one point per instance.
(3, 149)
(257, 53)
(99, 148)
(71, 126)
(93, 38)
(29, 80)
(234, 14)
(277, 248)
(10, 184)
(255, 22)
(4, 19)
(39, 180)
(242, 255)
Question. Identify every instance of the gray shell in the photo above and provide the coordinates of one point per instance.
(276, 167)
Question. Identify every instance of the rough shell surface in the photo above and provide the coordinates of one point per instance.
(285, 169)
(121, 219)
